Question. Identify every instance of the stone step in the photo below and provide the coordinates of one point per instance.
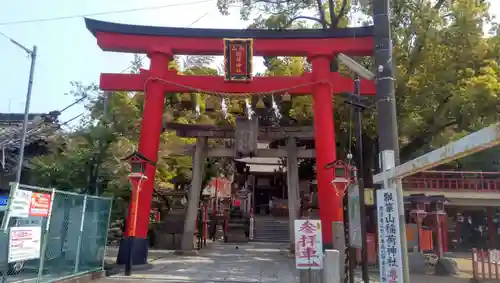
(277, 232)
(272, 228)
(270, 241)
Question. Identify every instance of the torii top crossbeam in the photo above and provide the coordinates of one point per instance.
(191, 41)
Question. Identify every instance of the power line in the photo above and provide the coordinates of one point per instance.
(102, 13)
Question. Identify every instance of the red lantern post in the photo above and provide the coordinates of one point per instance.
(138, 163)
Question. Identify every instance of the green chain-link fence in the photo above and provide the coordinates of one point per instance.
(49, 234)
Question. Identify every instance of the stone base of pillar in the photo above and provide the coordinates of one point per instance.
(310, 276)
(139, 254)
(339, 245)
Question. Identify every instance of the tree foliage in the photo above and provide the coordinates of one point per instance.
(447, 68)
(88, 158)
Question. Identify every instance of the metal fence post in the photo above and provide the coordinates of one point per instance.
(6, 216)
(79, 245)
(4, 229)
(45, 238)
(107, 233)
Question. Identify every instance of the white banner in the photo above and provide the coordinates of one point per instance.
(355, 239)
(20, 206)
(308, 244)
(391, 267)
(24, 243)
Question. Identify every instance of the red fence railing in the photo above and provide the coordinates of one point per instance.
(453, 181)
(485, 264)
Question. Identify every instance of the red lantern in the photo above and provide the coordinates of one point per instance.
(341, 175)
(138, 163)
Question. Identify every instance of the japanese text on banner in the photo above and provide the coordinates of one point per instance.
(391, 268)
(308, 244)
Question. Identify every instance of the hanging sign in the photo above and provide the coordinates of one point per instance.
(24, 243)
(308, 244)
(391, 267)
(21, 202)
(355, 239)
(40, 204)
(238, 55)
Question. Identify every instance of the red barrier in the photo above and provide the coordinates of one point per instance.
(371, 243)
(485, 264)
(453, 181)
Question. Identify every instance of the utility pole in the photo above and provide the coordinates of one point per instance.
(386, 108)
(361, 183)
(32, 54)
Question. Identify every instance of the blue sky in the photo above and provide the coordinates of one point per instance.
(67, 51)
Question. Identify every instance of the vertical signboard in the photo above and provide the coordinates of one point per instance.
(355, 239)
(308, 244)
(238, 55)
(246, 134)
(391, 267)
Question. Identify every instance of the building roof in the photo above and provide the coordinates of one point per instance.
(40, 126)
(95, 26)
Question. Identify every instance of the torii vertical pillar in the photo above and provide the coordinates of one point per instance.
(330, 205)
(199, 157)
(149, 141)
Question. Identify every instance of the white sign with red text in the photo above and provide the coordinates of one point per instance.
(24, 243)
(391, 267)
(308, 244)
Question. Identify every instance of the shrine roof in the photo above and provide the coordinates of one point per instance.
(95, 26)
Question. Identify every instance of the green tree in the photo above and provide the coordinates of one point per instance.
(447, 78)
(89, 157)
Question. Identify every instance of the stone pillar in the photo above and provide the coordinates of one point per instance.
(149, 141)
(194, 194)
(492, 230)
(292, 186)
(330, 204)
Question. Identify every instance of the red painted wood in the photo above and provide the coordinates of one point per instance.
(136, 82)
(361, 46)
(330, 202)
(447, 183)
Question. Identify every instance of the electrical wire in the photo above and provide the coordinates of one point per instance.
(103, 13)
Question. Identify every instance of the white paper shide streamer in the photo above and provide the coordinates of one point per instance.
(223, 106)
(275, 108)
(249, 111)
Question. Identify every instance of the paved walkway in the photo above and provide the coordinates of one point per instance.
(241, 263)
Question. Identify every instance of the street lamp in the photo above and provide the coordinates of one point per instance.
(32, 54)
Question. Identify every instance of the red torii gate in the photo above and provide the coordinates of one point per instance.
(162, 43)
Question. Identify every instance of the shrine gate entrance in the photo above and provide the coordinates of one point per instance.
(238, 46)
